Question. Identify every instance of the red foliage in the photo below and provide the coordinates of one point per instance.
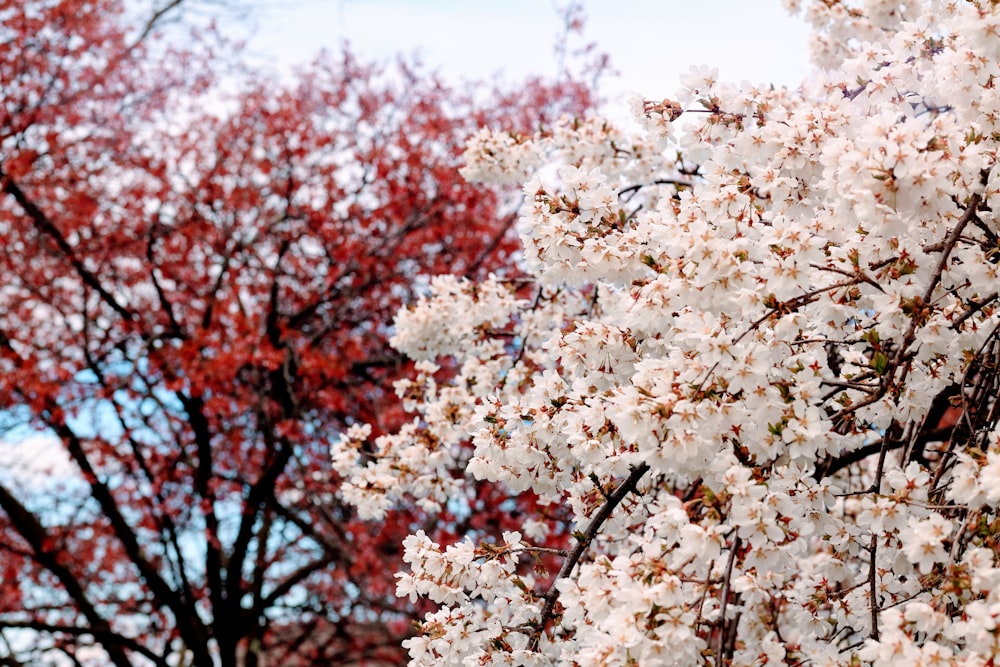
(197, 290)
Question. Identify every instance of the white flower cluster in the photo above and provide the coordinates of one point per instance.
(753, 387)
(500, 157)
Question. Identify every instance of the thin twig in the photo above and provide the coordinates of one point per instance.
(873, 586)
(725, 601)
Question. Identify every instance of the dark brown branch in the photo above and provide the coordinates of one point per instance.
(188, 623)
(252, 504)
(660, 181)
(194, 407)
(491, 247)
(856, 386)
(974, 307)
(32, 530)
(583, 543)
(901, 357)
(165, 305)
(949, 244)
(873, 602)
(730, 563)
(103, 637)
(47, 227)
(294, 578)
(155, 19)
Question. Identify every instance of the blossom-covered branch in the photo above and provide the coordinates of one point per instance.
(755, 399)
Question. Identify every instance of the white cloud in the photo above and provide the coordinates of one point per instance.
(35, 458)
(650, 42)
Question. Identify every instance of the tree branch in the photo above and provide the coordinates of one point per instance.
(32, 530)
(103, 637)
(583, 543)
(48, 228)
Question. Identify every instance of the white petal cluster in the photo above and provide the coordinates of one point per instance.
(500, 157)
(752, 387)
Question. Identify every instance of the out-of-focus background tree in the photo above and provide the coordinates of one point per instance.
(201, 261)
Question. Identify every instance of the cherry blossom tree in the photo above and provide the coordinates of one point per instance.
(751, 386)
(198, 276)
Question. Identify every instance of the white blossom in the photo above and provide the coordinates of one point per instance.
(751, 386)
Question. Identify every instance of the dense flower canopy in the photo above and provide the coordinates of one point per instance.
(751, 383)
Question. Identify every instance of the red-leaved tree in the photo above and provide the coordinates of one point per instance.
(196, 293)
